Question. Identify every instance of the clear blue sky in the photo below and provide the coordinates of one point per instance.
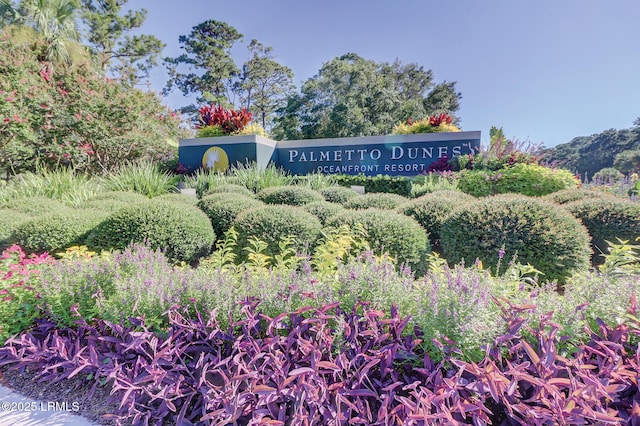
(546, 71)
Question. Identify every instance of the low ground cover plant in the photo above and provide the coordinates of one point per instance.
(356, 320)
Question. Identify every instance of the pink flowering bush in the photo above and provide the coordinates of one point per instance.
(18, 298)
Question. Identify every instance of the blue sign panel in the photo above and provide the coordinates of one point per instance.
(395, 155)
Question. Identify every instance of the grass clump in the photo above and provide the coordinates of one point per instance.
(144, 178)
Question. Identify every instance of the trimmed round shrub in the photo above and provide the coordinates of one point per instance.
(35, 205)
(430, 210)
(236, 189)
(53, 232)
(378, 200)
(607, 219)
(272, 223)
(399, 235)
(9, 220)
(183, 231)
(178, 198)
(569, 195)
(338, 194)
(113, 200)
(323, 210)
(223, 208)
(291, 195)
(540, 232)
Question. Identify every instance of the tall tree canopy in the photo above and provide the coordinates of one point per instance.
(206, 67)
(353, 96)
(55, 22)
(127, 57)
(264, 83)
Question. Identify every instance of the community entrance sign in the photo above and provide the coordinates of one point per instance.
(395, 155)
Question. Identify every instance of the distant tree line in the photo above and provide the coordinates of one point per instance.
(586, 155)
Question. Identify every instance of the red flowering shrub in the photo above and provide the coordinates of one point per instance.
(228, 120)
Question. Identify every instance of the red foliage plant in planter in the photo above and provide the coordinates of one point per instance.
(229, 120)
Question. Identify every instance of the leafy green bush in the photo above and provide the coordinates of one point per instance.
(323, 210)
(569, 195)
(184, 231)
(143, 177)
(534, 180)
(479, 183)
(401, 236)
(223, 208)
(381, 183)
(56, 231)
(229, 187)
(338, 194)
(376, 200)
(521, 178)
(291, 195)
(607, 219)
(35, 205)
(210, 132)
(540, 233)
(431, 209)
(273, 223)
(113, 200)
(635, 190)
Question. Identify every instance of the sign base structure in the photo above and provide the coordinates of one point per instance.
(394, 155)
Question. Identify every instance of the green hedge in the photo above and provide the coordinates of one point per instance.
(526, 179)
(35, 205)
(607, 219)
(401, 236)
(323, 210)
(338, 194)
(232, 188)
(377, 200)
(430, 210)
(569, 195)
(541, 233)
(272, 223)
(183, 231)
(291, 195)
(53, 232)
(223, 208)
(381, 183)
(9, 220)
